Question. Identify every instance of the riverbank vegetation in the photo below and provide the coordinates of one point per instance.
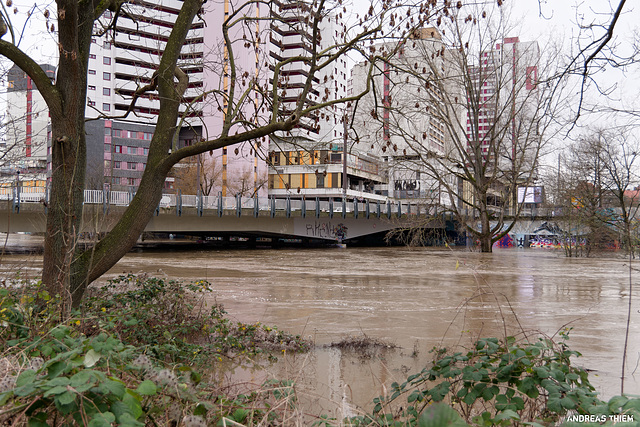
(135, 353)
(140, 350)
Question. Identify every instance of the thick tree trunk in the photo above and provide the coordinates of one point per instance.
(96, 261)
(68, 147)
(486, 237)
(64, 216)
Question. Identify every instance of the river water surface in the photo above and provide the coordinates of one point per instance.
(413, 298)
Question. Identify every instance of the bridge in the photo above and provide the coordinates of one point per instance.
(24, 210)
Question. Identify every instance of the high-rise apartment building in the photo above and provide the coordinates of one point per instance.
(26, 121)
(121, 61)
(503, 82)
(396, 121)
(311, 161)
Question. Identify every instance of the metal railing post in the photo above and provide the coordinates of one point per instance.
(105, 199)
(378, 209)
(330, 207)
(16, 199)
(199, 203)
(399, 209)
(367, 209)
(355, 208)
(303, 210)
(179, 203)
(317, 207)
(389, 209)
(288, 207)
(256, 207)
(238, 205)
(344, 207)
(219, 203)
(273, 207)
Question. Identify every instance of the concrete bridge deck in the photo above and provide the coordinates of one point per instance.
(189, 214)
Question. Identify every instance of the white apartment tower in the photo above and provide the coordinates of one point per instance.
(120, 62)
(311, 161)
(395, 121)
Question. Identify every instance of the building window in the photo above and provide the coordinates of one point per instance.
(107, 164)
(106, 107)
(106, 91)
(132, 165)
(92, 72)
(106, 60)
(118, 148)
(107, 131)
(106, 76)
(91, 103)
(116, 165)
(132, 150)
(131, 181)
(106, 45)
(92, 56)
(145, 151)
(91, 87)
(116, 133)
(107, 148)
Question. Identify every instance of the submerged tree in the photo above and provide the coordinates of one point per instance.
(251, 106)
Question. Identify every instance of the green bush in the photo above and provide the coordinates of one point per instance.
(86, 370)
(172, 320)
(496, 383)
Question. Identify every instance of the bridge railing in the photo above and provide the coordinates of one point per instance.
(337, 206)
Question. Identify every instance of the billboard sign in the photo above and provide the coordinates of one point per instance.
(530, 194)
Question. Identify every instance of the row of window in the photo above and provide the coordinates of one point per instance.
(105, 90)
(105, 59)
(308, 180)
(130, 134)
(105, 76)
(105, 106)
(123, 149)
(125, 181)
(132, 166)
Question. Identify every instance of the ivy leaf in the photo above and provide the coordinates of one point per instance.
(105, 419)
(91, 358)
(65, 398)
(133, 403)
(26, 377)
(147, 388)
(440, 414)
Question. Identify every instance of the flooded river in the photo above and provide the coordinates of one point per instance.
(413, 298)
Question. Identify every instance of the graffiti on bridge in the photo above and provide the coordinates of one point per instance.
(327, 230)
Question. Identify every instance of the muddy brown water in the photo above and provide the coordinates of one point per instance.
(413, 298)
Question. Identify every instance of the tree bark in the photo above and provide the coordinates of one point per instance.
(68, 148)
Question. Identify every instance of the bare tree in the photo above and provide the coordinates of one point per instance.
(251, 109)
(201, 173)
(247, 183)
(598, 198)
(464, 107)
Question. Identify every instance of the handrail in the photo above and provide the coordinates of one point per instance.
(236, 204)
